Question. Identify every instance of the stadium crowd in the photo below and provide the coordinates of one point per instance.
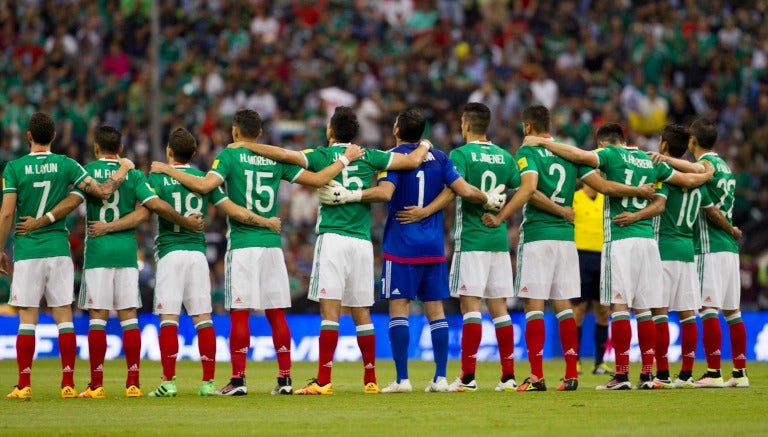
(642, 63)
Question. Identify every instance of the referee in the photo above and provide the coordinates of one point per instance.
(588, 224)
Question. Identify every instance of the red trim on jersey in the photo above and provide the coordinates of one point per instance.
(415, 260)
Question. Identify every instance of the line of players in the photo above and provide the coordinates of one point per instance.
(343, 268)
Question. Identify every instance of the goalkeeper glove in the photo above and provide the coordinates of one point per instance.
(335, 194)
(496, 198)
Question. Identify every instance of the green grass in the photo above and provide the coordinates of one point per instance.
(349, 411)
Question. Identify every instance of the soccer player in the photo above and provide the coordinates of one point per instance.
(33, 184)
(631, 263)
(588, 235)
(182, 268)
(342, 273)
(717, 258)
(110, 274)
(481, 266)
(414, 254)
(256, 275)
(547, 257)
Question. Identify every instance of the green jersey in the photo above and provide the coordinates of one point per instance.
(252, 182)
(171, 236)
(117, 249)
(674, 227)
(40, 181)
(350, 219)
(718, 191)
(484, 165)
(556, 180)
(629, 166)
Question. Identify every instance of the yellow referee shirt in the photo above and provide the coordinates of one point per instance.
(588, 221)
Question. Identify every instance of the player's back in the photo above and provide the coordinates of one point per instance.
(718, 191)
(41, 180)
(171, 236)
(556, 180)
(674, 227)
(485, 166)
(117, 249)
(423, 241)
(252, 182)
(629, 166)
(351, 219)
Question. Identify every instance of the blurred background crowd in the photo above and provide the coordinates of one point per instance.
(641, 63)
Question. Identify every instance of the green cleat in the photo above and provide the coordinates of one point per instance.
(167, 389)
(207, 388)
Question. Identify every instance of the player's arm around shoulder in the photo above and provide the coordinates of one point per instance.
(323, 177)
(243, 215)
(130, 221)
(570, 153)
(679, 164)
(616, 189)
(654, 209)
(528, 183)
(717, 218)
(199, 184)
(105, 189)
(413, 214)
(398, 161)
(382, 192)
(692, 180)
(274, 153)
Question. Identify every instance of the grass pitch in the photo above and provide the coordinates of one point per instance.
(350, 412)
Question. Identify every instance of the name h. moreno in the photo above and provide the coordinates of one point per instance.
(256, 160)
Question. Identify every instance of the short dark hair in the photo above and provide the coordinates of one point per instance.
(411, 124)
(108, 139)
(344, 124)
(612, 133)
(183, 145)
(538, 117)
(249, 122)
(705, 132)
(677, 138)
(478, 116)
(42, 128)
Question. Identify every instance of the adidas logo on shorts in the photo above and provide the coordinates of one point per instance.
(463, 287)
(618, 296)
(238, 300)
(14, 298)
(396, 292)
(708, 299)
(524, 289)
(159, 306)
(322, 291)
(90, 301)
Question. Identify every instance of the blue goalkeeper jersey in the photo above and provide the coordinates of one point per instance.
(422, 242)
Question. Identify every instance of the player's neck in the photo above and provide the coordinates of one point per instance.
(177, 163)
(39, 148)
(540, 134)
(698, 152)
(109, 156)
(476, 138)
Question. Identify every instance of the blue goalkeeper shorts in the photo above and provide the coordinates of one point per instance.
(426, 282)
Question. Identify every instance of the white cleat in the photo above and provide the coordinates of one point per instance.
(404, 386)
(439, 386)
(739, 379)
(459, 386)
(509, 386)
(710, 380)
(683, 383)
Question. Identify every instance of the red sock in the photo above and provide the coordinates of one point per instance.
(662, 343)
(621, 336)
(25, 352)
(505, 337)
(713, 337)
(68, 352)
(329, 337)
(97, 349)
(646, 336)
(738, 342)
(534, 341)
(239, 341)
(169, 348)
(569, 340)
(471, 333)
(690, 337)
(281, 339)
(206, 344)
(366, 341)
(132, 349)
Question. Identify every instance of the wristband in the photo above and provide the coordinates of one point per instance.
(344, 160)
(51, 217)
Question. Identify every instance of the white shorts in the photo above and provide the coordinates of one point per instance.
(681, 290)
(720, 280)
(108, 288)
(482, 274)
(256, 278)
(182, 277)
(342, 270)
(631, 273)
(548, 269)
(33, 279)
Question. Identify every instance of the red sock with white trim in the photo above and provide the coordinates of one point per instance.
(169, 347)
(281, 339)
(239, 341)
